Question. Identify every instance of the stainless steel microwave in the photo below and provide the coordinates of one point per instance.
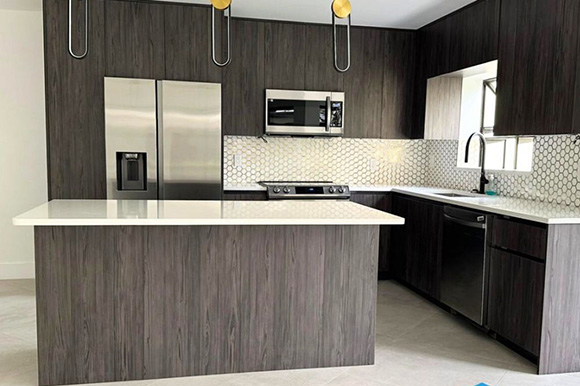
(307, 113)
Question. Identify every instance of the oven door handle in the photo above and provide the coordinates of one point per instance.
(328, 113)
(471, 224)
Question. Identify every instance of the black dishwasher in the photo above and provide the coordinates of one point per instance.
(463, 268)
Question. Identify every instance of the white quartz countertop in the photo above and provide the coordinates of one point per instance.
(536, 211)
(141, 212)
(542, 212)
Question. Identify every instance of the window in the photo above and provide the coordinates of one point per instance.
(503, 153)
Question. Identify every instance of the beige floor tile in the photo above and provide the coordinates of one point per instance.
(348, 379)
(526, 376)
(417, 345)
(16, 356)
(447, 332)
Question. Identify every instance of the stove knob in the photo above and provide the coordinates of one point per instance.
(331, 190)
(341, 190)
(286, 190)
(276, 190)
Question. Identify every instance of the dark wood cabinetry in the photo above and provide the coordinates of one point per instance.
(516, 290)
(245, 196)
(520, 237)
(74, 105)
(134, 39)
(465, 38)
(187, 44)
(243, 81)
(415, 257)
(285, 55)
(539, 67)
(380, 201)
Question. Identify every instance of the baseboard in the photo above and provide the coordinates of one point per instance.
(16, 271)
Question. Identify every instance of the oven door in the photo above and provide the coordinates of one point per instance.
(308, 113)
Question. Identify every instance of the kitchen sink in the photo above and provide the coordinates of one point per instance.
(457, 195)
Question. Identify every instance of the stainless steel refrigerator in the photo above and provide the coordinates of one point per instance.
(163, 139)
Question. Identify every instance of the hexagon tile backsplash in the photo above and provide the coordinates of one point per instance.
(554, 177)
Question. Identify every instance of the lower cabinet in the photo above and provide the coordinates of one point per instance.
(515, 301)
(380, 201)
(415, 253)
(245, 196)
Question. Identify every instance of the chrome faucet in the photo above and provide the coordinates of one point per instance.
(482, 180)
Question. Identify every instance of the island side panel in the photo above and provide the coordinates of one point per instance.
(560, 342)
(128, 303)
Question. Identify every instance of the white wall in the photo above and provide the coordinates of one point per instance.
(23, 181)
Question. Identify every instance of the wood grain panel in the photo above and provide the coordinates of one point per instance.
(129, 303)
(74, 105)
(285, 56)
(244, 80)
(560, 350)
(320, 74)
(398, 85)
(538, 60)
(443, 111)
(516, 287)
(522, 237)
(416, 256)
(380, 201)
(363, 84)
(245, 196)
(188, 44)
(134, 39)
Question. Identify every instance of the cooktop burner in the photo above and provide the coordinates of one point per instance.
(284, 190)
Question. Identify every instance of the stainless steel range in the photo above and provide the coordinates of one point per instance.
(305, 190)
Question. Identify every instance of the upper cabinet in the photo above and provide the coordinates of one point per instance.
(539, 67)
(134, 39)
(462, 39)
(188, 45)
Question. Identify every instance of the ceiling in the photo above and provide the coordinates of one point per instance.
(411, 14)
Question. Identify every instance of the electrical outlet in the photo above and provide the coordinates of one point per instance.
(238, 160)
(373, 165)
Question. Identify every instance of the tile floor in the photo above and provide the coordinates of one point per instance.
(417, 345)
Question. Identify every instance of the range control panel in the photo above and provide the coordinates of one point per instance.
(286, 192)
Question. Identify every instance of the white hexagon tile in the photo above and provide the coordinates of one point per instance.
(554, 176)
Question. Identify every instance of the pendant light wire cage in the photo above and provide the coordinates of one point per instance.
(228, 14)
(70, 28)
(341, 9)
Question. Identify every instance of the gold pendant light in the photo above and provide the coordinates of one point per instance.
(341, 9)
(221, 4)
(226, 7)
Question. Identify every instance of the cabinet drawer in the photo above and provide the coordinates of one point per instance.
(515, 302)
(520, 237)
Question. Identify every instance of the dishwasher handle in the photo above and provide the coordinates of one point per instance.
(471, 224)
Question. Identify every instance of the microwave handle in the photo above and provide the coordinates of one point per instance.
(328, 113)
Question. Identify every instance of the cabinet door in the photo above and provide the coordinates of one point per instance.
(416, 246)
(134, 39)
(244, 82)
(285, 56)
(75, 109)
(320, 74)
(363, 84)
(187, 44)
(516, 288)
(538, 64)
(382, 202)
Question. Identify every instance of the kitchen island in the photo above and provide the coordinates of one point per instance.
(131, 290)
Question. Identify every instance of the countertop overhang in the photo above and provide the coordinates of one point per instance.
(537, 211)
(151, 213)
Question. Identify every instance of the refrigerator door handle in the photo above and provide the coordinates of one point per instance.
(160, 152)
